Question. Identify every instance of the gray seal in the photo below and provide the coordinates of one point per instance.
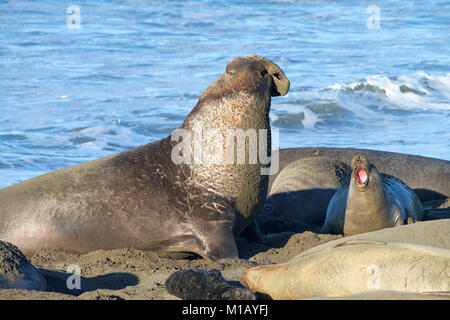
(370, 201)
(141, 198)
(302, 190)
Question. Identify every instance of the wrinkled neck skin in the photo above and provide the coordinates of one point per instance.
(241, 184)
(222, 107)
(367, 208)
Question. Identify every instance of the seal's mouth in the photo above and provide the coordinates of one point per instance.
(361, 176)
(361, 171)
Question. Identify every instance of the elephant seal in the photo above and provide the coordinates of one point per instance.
(303, 189)
(370, 201)
(16, 272)
(437, 209)
(432, 233)
(198, 284)
(427, 177)
(160, 196)
(352, 267)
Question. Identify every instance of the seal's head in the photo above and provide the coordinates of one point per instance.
(253, 74)
(364, 174)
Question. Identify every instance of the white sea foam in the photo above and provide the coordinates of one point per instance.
(310, 118)
(417, 91)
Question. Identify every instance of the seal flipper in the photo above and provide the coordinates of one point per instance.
(217, 239)
(434, 214)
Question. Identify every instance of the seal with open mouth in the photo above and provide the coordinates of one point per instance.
(370, 201)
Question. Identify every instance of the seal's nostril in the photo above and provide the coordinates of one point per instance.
(278, 76)
(263, 73)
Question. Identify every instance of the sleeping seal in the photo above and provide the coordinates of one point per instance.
(146, 198)
(354, 266)
(371, 201)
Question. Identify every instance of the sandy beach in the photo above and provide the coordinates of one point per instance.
(136, 274)
(131, 274)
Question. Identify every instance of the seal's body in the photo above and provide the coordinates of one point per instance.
(141, 198)
(351, 267)
(302, 190)
(370, 201)
(16, 272)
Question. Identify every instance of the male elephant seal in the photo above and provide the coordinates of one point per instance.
(352, 267)
(371, 201)
(146, 197)
(16, 272)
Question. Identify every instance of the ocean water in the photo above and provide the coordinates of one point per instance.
(363, 74)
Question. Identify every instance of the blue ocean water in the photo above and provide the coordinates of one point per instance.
(363, 74)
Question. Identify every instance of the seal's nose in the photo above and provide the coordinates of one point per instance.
(281, 83)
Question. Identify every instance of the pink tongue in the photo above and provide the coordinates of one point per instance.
(361, 175)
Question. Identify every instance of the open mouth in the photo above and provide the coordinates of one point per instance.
(361, 176)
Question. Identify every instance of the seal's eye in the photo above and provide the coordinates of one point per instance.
(263, 73)
(230, 72)
(267, 208)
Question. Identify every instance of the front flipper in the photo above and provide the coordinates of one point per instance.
(434, 214)
(217, 239)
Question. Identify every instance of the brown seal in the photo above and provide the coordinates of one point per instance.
(140, 198)
(371, 201)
